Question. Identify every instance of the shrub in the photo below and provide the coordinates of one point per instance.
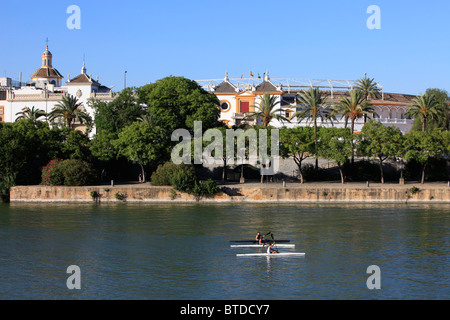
(164, 174)
(414, 190)
(94, 194)
(52, 175)
(69, 173)
(207, 188)
(119, 196)
(183, 180)
(78, 173)
(211, 187)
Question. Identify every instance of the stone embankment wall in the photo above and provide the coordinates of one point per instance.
(145, 193)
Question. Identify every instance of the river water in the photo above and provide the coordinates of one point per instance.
(182, 251)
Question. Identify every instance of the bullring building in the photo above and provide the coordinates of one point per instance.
(239, 95)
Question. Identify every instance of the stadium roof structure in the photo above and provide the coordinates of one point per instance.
(284, 84)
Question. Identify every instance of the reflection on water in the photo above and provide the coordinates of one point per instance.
(167, 251)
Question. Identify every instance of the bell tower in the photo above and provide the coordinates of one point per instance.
(46, 57)
(46, 72)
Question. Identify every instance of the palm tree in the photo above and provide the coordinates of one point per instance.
(369, 88)
(147, 118)
(265, 110)
(424, 106)
(313, 105)
(33, 114)
(70, 110)
(353, 108)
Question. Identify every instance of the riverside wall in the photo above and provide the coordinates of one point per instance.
(236, 193)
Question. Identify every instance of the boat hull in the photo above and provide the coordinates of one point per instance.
(271, 255)
(266, 241)
(261, 246)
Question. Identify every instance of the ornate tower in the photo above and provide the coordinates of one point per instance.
(46, 73)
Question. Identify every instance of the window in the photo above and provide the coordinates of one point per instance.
(1, 113)
(245, 106)
(287, 114)
(224, 106)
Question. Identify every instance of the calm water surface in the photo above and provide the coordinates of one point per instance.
(168, 251)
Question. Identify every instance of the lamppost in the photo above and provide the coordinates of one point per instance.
(125, 80)
(402, 167)
(242, 179)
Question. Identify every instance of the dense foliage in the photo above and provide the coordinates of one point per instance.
(71, 172)
(181, 176)
(134, 131)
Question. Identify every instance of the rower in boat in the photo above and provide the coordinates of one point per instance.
(260, 238)
(270, 250)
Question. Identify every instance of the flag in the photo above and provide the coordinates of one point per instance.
(251, 73)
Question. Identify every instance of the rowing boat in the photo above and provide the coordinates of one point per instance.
(261, 246)
(281, 254)
(266, 240)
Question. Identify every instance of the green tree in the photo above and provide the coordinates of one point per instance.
(297, 143)
(381, 142)
(23, 145)
(334, 144)
(102, 146)
(424, 146)
(266, 110)
(13, 156)
(177, 102)
(75, 145)
(69, 109)
(33, 114)
(121, 112)
(354, 107)
(313, 105)
(141, 143)
(442, 120)
(424, 107)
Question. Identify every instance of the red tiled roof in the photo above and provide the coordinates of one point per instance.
(46, 73)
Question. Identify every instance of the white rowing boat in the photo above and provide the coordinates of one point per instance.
(260, 246)
(281, 254)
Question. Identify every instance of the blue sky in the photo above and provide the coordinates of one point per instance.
(203, 39)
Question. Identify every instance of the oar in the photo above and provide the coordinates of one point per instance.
(270, 232)
(273, 239)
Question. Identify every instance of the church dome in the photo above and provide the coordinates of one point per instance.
(46, 72)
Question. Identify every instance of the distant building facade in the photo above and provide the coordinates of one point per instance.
(239, 96)
(46, 89)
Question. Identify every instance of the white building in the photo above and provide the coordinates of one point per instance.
(46, 89)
